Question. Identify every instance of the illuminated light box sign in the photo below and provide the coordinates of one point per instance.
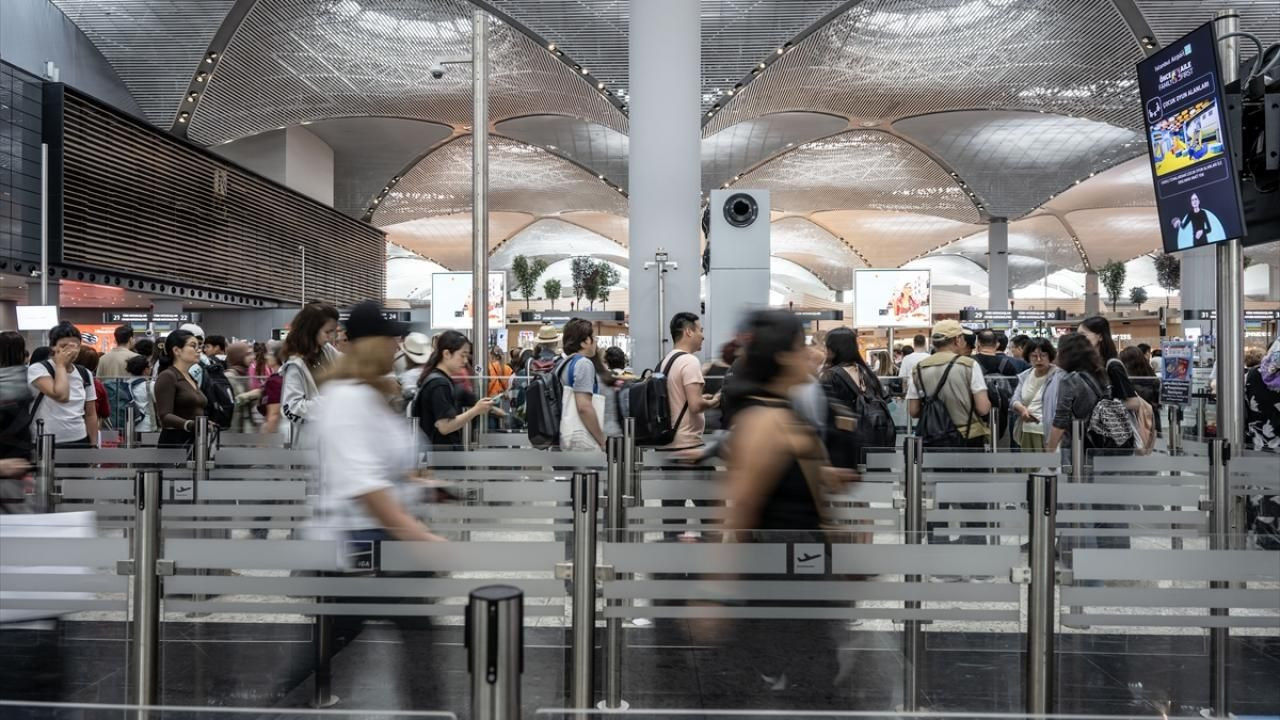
(556, 317)
(973, 315)
(1197, 197)
(39, 318)
(145, 317)
(451, 301)
(811, 315)
(1249, 315)
(393, 315)
(892, 298)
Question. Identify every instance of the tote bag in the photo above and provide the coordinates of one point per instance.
(574, 434)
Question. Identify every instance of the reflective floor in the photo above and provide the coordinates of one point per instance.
(666, 666)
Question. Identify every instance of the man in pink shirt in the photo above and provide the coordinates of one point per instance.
(684, 390)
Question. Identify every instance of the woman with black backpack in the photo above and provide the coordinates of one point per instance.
(851, 383)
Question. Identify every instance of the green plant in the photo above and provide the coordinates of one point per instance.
(1168, 274)
(1111, 276)
(527, 274)
(1137, 295)
(609, 279)
(580, 269)
(551, 289)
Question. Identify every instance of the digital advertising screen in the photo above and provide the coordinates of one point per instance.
(1197, 197)
(451, 301)
(892, 298)
(37, 317)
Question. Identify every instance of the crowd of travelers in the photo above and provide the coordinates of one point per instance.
(791, 397)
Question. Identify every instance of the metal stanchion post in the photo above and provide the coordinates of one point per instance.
(200, 457)
(614, 525)
(145, 652)
(46, 496)
(415, 429)
(913, 529)
(1220, 539)
(468, 436)
(1042, 500)
(995, 420)
(495, 651)
(322, 649)
(1173, 428)
(1077, 469)
(130, 427)
(1202, 417)
(585, 489)
(631, 462)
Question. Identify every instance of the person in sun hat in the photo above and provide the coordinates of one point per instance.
(414, 351)
(546, 350)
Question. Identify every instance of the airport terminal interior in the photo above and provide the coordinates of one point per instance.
(923, 359)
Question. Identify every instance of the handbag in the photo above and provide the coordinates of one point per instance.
(573, 433)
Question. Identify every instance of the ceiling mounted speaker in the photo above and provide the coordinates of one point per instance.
(741, 210)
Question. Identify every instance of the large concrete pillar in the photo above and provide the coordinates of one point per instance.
(998, 264)
(1092, 301)
(1199, 286)
(665, 174)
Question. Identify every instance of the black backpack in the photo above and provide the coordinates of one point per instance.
(1000, 393)
(218, 391)
(935, 428)
(542, 407)
(649, 403)
(874, 423)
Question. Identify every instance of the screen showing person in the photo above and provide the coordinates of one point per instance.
(1197, 196)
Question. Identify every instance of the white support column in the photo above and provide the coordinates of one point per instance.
(480, 191)
(665, 173)
(1092, 300)
(1198, 288)
(998, 264)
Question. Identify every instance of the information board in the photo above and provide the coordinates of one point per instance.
(1177, 357)
(1197, 197)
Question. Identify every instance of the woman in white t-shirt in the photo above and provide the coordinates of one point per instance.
(67, 402)
(367, 467)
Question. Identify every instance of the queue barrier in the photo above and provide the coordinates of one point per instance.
(893, 578)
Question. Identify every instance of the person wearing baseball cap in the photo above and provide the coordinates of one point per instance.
(955, 380)
(366, 464)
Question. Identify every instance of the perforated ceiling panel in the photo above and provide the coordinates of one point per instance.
(886, 59)
(807, 244)
(790, 278)
(299, 60)
(735, 149)
(1172, 20)
(553, 240)
(522, 178)
(447, 239)
(860, 169)
(1116, 233)
(1014, 161)
(736, 34)
(1126, 185)
(597, 148)
(1037, 246)
(153, 46)
(888, 240)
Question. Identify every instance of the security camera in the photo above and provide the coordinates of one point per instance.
(437, 71)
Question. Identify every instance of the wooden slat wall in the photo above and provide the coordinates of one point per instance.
(137, 201)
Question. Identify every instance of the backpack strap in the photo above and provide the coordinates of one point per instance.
(666, 374)
(595, 390)
(84, 378)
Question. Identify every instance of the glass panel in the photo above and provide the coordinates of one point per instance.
(67, 711)
(62, 608)
(810, 620)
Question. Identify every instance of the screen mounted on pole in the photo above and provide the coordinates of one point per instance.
(1197, 196)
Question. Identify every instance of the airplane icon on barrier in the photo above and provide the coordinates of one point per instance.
(808, 558)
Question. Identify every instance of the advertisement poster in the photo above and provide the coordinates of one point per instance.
(892, 298)
(99, 337)
(1196, 194)
(451, 302)
(1175, 373)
